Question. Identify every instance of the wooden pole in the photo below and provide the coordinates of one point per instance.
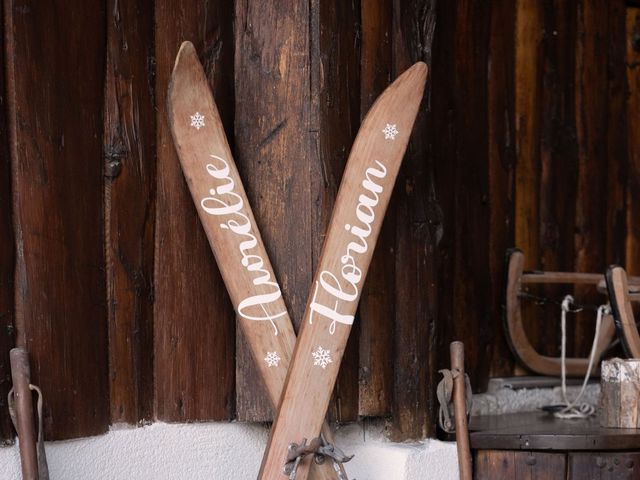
(21, 377)
(456, 350)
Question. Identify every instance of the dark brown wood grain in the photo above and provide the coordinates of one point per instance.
(377, 304)
(194, 330)
(528, 74)
(632, 42)
(617, 136)
(7, 259)
(603, 465)
(510, 465)
(471, 312)
(130, 184)
(501, 169)
(591, 129)
(558, 163)
(491, 464)
(416, 218)
(55, 80)
(335, 118)
(272, 114)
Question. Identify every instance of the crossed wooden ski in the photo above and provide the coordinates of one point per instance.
(230, 227)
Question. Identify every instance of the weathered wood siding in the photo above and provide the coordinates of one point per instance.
(527, 136)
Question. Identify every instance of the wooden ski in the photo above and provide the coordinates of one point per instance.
(230, 227)
(363, 197)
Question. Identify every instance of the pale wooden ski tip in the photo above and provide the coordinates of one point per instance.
(226, 216)
(363, 197)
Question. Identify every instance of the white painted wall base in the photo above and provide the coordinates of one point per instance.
(215, 451)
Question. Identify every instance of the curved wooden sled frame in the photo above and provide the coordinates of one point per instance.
(516, 335)
(621, 295)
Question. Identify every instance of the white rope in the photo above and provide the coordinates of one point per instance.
(573, 409)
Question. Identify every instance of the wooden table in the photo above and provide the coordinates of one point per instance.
(539, 446)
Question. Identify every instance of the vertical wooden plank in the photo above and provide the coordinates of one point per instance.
(540, 466)
(527, 78)
(56, 146)
(633, 127)
(272, 121)
(591, 127)
(471, 310)
(442, 132)
(377, 302)
(129, 150)
(194, 332)
(492, 464)
(558, 148)
(558, 163)
(604, 465)
(416, 219)
(502, 164)
(335, 118)
(617, 136)
(528, 40)
(7, 258)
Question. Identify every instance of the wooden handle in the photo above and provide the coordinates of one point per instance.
(456, 350)
(25, 425)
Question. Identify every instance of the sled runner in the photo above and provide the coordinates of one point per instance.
(621, 295)
(525, 353)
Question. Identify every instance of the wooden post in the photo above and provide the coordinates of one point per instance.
(21, 377)
(620, 381)
(456, 350)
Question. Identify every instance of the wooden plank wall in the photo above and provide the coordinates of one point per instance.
(526, 137)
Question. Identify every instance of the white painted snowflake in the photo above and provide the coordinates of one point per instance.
(322, 357)
(272, 359)
(197, 120)
(390, 132)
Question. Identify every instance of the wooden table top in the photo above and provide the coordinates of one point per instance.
(542, 431)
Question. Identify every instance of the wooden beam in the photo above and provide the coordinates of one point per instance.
(130, 176)
(194, 341)
(55, 83)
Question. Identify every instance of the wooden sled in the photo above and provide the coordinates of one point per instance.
(516, 335)
(621, 294)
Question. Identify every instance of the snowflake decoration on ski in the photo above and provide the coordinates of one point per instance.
(322, 357)
(390, 132)
(272, 359)
(197, 120)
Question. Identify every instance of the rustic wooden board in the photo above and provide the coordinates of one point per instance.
(57, 174)
(130, 175)
(364, 192)
(541, 431)
(632, 252)
(617, 154)
(194, 330)
(272, 150)
(416, 223)
(603, 465)
(502, 164)
(7, 259)
(558, 163)
(510, 465)
(528, 37)
(591, 128)
(471, 236)
(377, 303)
